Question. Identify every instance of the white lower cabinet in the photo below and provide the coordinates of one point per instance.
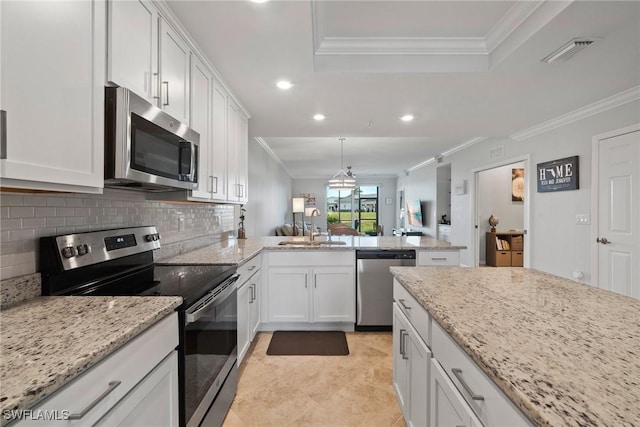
(248, 304)
(136, 385)
(305, 287)
(448, 407)
(411, 365)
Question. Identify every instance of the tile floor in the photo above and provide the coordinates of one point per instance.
(331, 391)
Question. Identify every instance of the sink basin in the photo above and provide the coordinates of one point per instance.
(311, 243)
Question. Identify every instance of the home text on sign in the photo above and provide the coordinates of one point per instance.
(558, 175)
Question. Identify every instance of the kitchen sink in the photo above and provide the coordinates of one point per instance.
(311, 243)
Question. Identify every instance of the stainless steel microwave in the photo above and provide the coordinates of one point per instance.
(145, 148)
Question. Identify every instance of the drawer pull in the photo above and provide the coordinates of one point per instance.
(458, 373)
(406, 307)
(112, 386)
(403, 350)
(253, 267)
(438, 259)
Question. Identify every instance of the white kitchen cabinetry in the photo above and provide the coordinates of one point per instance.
(137, 382)
(201, 119)
(248, 304)
(174, 72)
(448, 408)
(52, 95)
(438, 258)
(411, 365)
(310, 287)
(237, 152)
(132, 47)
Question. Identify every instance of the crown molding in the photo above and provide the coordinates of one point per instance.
(597, 107)
(466, 144)
(270, 152)
(402, 46)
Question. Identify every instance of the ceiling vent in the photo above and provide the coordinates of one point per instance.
(568, 50)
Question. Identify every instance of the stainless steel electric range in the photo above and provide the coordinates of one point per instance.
(120, 262)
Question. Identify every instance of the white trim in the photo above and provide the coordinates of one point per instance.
(597, 107)
(473, 200)
(514, 17)
(595, 194)
(402, 46)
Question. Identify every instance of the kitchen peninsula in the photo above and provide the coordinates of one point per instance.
(564, 353)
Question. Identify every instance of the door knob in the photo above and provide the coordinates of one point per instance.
(604, 240)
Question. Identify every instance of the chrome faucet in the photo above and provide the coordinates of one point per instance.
(314, 212)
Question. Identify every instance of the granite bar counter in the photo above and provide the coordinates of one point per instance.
(237, 251)
(565, 353)
(46, 342)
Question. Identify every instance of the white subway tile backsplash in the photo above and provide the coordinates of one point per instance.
(44, 212)
(56, 201)
(35, 201)
(11, 224)
(26, 218)
(21, 212)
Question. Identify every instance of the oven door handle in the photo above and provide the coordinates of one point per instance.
(204, 305)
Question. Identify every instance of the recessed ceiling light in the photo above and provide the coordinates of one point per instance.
(406, 118)
(319, 117)
(284, 84)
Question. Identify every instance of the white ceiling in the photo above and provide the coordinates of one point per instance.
(465, 69)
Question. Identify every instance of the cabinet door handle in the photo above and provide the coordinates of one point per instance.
(85, 411)
(155, 86)
(216, 186)
(305, 280)
(3, 134)
(315, 280)
(403, 335)
(166, 93)
(210, 184)
(406, 307)
(253, 292)
(401, 341)
(458, 374)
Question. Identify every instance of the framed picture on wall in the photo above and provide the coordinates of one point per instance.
(517, 185)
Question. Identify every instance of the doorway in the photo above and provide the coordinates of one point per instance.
(501, 190)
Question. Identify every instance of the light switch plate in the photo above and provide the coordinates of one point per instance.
(583, 219)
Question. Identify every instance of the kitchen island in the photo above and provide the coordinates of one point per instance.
(563, 352)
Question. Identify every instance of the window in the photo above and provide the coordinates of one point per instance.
(357, 208)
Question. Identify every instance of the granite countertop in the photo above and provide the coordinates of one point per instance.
(45, 342)
(564, 352)
(237, 251)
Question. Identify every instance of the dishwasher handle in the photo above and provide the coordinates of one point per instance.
(386, 254)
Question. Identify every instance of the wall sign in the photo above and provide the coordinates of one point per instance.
(558, 175)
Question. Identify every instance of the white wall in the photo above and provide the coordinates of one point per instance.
(494, 198)
(557, 244)
(387, 189)
(269, 193)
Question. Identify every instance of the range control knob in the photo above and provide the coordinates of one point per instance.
(82, 249)
(152, 237)
(69, 252)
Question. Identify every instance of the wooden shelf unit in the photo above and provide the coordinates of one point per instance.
(512, 257)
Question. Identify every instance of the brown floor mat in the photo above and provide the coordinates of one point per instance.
(308, 343)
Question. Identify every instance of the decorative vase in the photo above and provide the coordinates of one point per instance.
(241, 234)
(493, 221)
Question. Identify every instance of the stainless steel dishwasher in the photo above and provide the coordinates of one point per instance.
(374, 286)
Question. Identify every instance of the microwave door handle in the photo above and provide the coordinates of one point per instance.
(183, 145)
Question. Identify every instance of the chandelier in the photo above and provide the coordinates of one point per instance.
(343, 180)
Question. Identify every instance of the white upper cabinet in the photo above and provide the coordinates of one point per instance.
(132, 47)
(52, 95)
(174, 72)
(218, 161)
(237, 153)
(201, 90)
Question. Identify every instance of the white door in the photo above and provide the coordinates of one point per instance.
(333, 294)
(288, 294)
(200, 116)
(174, 73)
(618, 233)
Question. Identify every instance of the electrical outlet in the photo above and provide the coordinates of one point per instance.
(583, 219)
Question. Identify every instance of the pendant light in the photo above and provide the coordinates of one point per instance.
(343, 180)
